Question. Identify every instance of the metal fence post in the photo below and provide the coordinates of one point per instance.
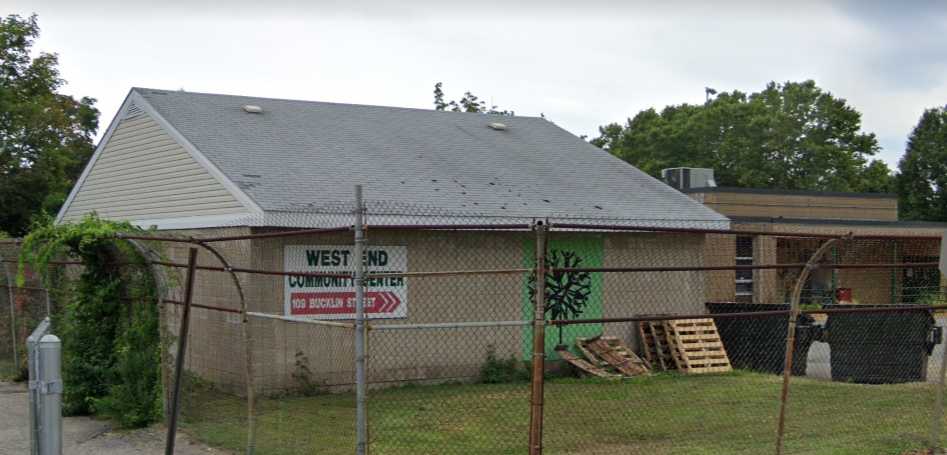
(539, 345)
(10, 285)
(938, 419)
(182, 350)
(50, 390)
(35, 378)
(361, 419)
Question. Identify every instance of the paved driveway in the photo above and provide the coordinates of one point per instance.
(81, 435)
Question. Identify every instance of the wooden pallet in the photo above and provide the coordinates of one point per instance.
(612, 353)
(654, 345)
(696, 346)
(584, 366)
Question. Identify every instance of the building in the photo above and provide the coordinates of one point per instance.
(863, 214)
(206, 165)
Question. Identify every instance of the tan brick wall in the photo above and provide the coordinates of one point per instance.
(766, 282)
(720, 250)
(801, 206)
(869, 286)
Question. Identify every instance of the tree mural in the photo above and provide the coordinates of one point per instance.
(567, 293)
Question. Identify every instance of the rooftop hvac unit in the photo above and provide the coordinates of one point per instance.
(684, 178)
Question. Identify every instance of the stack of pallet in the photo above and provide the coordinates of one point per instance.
(692, 346)
(605, 357)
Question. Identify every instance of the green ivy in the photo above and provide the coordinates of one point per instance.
(109, 324)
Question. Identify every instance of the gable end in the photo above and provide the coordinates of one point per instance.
(142, 174)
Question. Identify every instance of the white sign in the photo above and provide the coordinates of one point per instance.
(333, 297)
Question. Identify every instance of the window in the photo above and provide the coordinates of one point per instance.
(744, 278)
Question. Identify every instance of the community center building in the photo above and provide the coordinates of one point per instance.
(207, 165)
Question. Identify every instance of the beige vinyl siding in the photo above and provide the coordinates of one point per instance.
(143, 173)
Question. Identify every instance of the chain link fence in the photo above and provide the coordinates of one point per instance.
(658, 337)
(22, 307)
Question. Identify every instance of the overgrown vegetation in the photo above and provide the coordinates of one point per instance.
(109, 324)
(499, 371)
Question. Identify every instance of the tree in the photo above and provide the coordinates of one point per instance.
(922, 177)
(45, 137)
(787, 136)
(468, 103)
(567, 293)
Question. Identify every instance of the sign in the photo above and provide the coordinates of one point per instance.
(333, 297)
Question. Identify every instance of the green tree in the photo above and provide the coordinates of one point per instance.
(468, 103)
(45, 137)
(922, 177)
(787, 136)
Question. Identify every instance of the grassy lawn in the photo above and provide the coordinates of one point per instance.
(662, 414)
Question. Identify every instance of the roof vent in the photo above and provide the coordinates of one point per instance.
(252, 109)
(497, 126)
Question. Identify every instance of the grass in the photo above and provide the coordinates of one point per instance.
(662, 414)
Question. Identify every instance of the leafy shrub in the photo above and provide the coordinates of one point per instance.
(109, 325)
(498, 371)
(931, 298)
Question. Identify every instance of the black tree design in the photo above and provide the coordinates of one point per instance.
(567, 293)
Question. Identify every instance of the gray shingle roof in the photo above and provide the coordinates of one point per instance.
(305, 157)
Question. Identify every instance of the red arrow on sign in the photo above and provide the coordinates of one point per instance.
(383, 302)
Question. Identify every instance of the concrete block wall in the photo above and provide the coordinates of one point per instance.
(284, 351)
(215, 346)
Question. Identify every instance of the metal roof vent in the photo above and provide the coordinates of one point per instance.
(252, 109)
(497, 126)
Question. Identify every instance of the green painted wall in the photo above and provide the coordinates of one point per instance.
(589, 249)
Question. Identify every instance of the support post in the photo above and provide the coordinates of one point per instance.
(50, 391)
(938, 419)
(361, 417)
(11, 295)
(182, 350)
(539, 345)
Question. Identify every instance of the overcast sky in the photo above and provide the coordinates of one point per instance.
(581, 63)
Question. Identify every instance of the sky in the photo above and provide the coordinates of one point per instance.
(581, 64)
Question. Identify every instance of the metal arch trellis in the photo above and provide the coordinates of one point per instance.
(247, 348)
(794, 311)
(154, 261)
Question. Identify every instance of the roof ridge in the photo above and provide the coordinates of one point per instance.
(166, 91)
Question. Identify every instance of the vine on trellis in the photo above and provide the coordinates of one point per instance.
(109, 324)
